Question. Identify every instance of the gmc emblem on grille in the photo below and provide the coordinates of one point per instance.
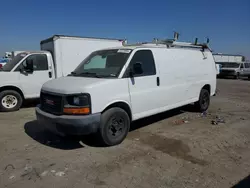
(50, 102)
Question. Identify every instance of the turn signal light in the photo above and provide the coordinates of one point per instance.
(85, 110)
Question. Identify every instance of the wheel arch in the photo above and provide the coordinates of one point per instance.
(14, 88)
(207, 87)
(120, 104)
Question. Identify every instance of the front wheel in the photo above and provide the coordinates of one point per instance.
(115, 124)
(10, 101)
(204, 100)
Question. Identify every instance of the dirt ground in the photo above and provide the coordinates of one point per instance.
(179, 149)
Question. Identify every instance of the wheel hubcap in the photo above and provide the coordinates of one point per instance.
(9, 101)
(116, 126)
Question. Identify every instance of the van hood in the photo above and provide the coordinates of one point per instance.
(71, 84)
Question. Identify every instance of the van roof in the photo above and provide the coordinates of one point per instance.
(153, 45)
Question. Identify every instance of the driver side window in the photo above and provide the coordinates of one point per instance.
(145, 57)
(40, 62)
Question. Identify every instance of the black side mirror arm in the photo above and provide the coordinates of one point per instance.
(131, 73)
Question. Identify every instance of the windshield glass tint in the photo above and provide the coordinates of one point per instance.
(103, 63)
(230, 65)
(10, 65)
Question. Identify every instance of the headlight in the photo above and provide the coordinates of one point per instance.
(78, 100)
(77, 104)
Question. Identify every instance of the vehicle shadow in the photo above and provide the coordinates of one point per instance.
(31, 103)
(245, 183)
(38, 133)
(245, 79)
(231, 78)
(159, 117)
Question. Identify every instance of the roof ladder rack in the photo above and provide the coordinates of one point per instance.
(173, 43)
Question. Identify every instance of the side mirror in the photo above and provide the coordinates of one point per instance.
(29, 65)
(137, 68)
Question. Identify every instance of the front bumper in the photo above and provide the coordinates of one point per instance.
(69, 124)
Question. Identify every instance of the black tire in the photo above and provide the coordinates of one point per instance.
(204, 101)
(237, 76)
(249, 77)
(115, 124)
(16, 105)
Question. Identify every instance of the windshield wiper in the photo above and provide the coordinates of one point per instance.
(92, 74)
(107, 76)
(87, 74)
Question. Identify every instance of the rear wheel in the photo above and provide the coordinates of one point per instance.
(237, 76)
(115, 124)
(10, 101)
(204, 101)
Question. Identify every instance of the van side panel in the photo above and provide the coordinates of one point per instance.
(172, 76)
(183, 72)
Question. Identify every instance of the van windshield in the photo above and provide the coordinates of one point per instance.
(230, 65)
(10, 65)
(103, 63)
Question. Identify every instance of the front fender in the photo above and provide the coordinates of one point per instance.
(116, 101)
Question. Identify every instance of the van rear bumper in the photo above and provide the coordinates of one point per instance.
(69, 124)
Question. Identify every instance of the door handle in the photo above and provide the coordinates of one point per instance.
(158, 81)
(50, 74)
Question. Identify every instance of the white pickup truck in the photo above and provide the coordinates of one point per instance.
(23, 77)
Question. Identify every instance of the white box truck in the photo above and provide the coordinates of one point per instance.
(23, 77)
(14, 53)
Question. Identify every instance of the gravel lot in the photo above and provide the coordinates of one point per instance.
(179, 149)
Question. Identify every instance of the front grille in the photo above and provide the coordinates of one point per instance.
(51, 103)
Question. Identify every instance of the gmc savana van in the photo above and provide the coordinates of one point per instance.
(113, 87)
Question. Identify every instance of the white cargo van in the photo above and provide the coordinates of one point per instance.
(115, 86)
(23, 77)
(231, 65)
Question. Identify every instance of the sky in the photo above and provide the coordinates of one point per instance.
(227, 23)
